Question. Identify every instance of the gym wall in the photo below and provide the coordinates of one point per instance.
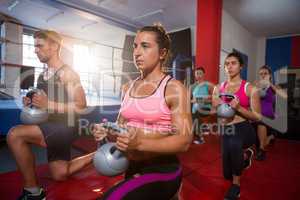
(283, 51)
(180, 45)
(235, 36)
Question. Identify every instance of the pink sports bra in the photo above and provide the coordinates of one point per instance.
(150, 112)
(240, 94)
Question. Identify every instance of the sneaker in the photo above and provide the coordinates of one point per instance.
(272, 141)
(199, 141)
(248, 161)
(26, 195)
(233, 193)
(261, 155)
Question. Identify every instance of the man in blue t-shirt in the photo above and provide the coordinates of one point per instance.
(201, 92)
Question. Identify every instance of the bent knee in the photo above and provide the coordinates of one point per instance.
(13, 134)
(60, 175)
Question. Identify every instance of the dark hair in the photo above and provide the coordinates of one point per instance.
(237, 56)
(200, 68)
(51, 36)
(266, 67)
(162, 38)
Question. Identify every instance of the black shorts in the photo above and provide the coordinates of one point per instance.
(58, 137)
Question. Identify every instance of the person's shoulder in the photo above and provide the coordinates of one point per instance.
(69, 69)
(126, 86)
(249, 88)
(208, 83)
(248, 84)
(175, 86)
(193, 85)
(69, 74)
(218, 85)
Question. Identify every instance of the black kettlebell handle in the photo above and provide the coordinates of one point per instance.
(115, 152)
(226, 95)
(114, 127)
(30, 95)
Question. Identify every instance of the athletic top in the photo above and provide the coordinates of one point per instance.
(149, 112)
(267, 104)
(56, 91)
(240, 94)
(200, 91)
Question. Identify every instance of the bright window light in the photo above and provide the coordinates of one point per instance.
(95, 64)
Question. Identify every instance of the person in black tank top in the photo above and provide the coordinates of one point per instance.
(63, 98)
(56, 91)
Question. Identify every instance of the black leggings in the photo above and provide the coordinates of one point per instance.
(197, 129)
(158, 181)
(270, 131)
(235, 138)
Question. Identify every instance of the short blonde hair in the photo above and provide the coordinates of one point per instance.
(51, 36)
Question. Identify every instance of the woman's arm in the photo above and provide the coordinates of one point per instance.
(120, 118)
(191, 88)
(278, 90)
(254, 113)
(215, 100)
(179, 103)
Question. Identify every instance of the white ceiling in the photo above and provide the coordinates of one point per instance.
(103, 21)
(266, 17)
(174, 14)
(40, 14)
(106, 21)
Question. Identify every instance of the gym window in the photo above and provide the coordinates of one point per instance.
(97, 66)
(30, 58)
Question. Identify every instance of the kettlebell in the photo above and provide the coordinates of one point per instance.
(31, 114)
(263, 87)
(263, 92)
(108, 160)
(224, 110)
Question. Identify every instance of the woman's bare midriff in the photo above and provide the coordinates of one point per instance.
(142, 155)
(236, 119)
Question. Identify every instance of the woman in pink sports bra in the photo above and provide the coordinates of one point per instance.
(237, 132)
(156, 111)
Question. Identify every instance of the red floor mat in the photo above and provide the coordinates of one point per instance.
(276, 178)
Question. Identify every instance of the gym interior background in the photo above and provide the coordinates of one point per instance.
(97, 42)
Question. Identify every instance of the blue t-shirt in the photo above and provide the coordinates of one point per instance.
(200, 91)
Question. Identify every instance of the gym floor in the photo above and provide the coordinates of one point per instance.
(276, 178)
